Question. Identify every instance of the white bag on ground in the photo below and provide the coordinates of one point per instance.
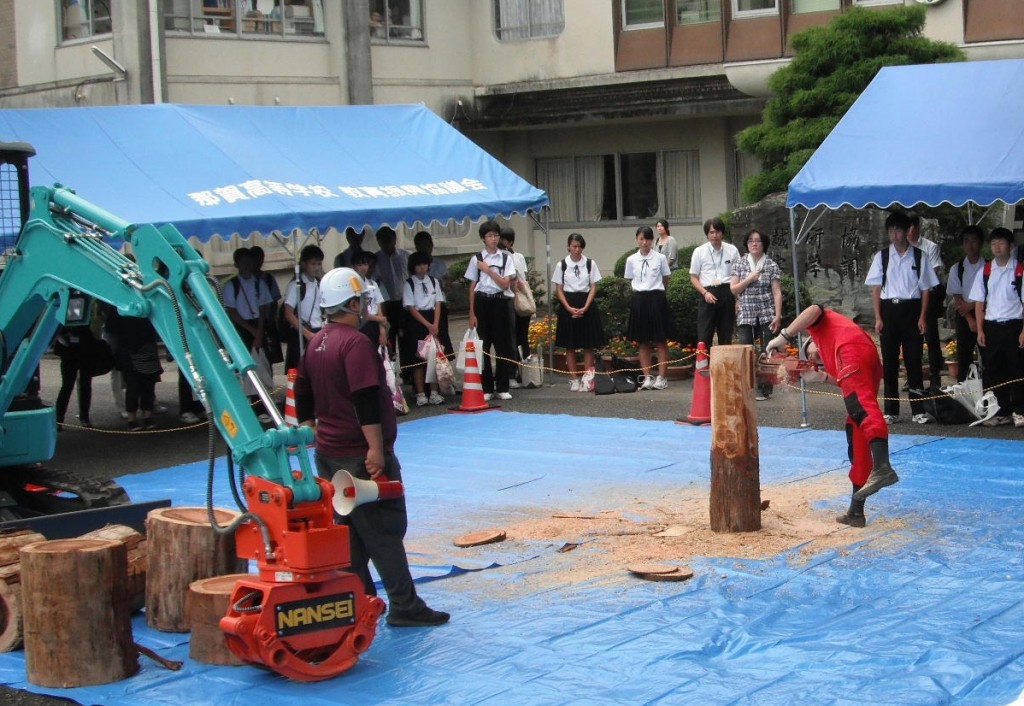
(531, 371)
(972, 396)
(460, 359)
(263, 372)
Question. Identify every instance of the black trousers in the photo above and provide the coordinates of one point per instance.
(72, 366)
(377, 533)
(900, 335)
(936, 299)
(495, 325)
(1002, 362)
(719, 317)
(966, 343)
(749, 333)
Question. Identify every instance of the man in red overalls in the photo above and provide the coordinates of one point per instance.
(850, 359)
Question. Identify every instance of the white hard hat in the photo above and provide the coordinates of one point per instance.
(339, 285)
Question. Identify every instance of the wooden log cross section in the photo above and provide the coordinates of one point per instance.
(735, 462)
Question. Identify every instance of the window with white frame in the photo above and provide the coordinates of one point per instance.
(528, 19)
(396, 21)
(622, 187)
(252, 19)
(642, 14)
(691, 12)
(84, 18)
(742, 9)
(799, 6)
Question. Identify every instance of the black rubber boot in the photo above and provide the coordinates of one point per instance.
(854, 517)
(882, 474)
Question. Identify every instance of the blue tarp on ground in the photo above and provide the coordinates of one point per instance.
(224, 169)
(929, 611)
(963, 143)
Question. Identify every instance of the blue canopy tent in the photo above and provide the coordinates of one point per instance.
(931, 134)
(226, 169)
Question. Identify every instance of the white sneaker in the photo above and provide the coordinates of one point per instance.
(487, 396)
(514, 384)
(925, 418)
(159, 408)
(189, 418)
(891, 418)
(1018, 420)
(646, 382)
(574, 385)
(435, 398)
(660, 383)
(504, 395)
(421, 400)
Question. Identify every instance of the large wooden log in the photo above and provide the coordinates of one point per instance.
(11, 542)
(735, 464)
(183, 548)
(78, 628)
(206, 604)
(136, 545)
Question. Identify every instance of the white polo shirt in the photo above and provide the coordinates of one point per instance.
(421, 293)
(714, 267)
(903, 280)
(1001, 301)
(576, 277)
(647, 273)
(962, 284)
(486, 285)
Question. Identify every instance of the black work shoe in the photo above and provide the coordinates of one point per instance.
(881, 477)
(851, 520)
(423, 618)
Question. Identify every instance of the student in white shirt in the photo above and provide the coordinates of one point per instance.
(997, 310)
(302, 303)
(650, 322)
(492, 275)
(936, 297)
(376, 325)
(711, 274)
(958, 285)
(579, 322)
(422, 298)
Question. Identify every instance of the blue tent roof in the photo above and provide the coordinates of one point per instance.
(939, 133)
(227, 169)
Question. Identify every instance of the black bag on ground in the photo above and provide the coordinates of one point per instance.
(603, 383)
(623, 378)
(941, 406)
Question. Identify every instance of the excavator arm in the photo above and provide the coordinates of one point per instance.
(302, 615)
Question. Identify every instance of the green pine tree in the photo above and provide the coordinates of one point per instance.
(831, 66)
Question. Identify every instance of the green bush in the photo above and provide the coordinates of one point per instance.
(613, 295)
(682, 304)
(620, 265)
(685, 255)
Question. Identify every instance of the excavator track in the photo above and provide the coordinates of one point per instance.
(44, 490)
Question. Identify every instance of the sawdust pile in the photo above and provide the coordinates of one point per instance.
(580, 545)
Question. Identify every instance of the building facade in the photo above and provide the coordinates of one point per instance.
(624, 111)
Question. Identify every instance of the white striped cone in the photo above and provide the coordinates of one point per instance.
(291, 417)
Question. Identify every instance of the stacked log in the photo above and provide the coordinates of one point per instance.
(135, 544)
(78, 628)
(11, 542)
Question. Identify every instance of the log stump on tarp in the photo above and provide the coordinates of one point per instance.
(78, 629)
(205, 605)
(735, 462)
(136, 545)
(10, 585)
(183, 548)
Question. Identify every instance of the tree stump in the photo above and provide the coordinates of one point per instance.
(78, 629)
(10, 585)
(135, 544)
(205, 605)
(183, 548)
(735, 464)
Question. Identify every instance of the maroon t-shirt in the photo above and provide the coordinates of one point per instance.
(339, 361)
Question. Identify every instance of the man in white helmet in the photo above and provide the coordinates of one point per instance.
(342, 393)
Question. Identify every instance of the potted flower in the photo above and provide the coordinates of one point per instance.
(952, 365)
(621, 347)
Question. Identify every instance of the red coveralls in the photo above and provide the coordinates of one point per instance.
(849, 355)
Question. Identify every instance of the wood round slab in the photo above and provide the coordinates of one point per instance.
(660, 572)
(474, 539)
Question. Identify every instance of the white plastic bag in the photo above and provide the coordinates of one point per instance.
(972, 396)
(391, 375)
(443, 370)
(263, 372)
(470, 335)
(531, 371)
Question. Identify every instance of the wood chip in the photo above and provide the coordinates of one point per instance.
(674, 531)
(474, 539)
(660, 572)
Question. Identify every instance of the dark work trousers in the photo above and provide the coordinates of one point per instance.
(186, 403)
(495, 325)
(72, 365)
(1002, 362)
(522, 335)
(393, 312)
(966, 342)
(936, 299)
(719, 317)
(750, 333)
(376, 533)
(900, 334)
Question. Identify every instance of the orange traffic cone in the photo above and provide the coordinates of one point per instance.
(700, 407)
(291, 417)
(472, 385)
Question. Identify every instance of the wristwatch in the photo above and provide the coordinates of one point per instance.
(786, 335)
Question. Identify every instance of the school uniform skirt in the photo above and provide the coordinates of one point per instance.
(649, 317)
(412, 333)
(583, 332)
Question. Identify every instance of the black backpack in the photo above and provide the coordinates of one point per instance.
(885, 263)
(942, 406)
